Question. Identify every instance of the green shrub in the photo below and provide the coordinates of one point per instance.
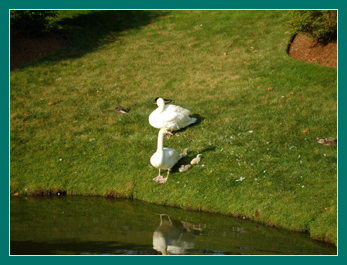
(321, 25)
(31, 22)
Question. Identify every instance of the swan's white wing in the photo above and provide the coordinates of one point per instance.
(174, 108)
(171, 157)
(164, 119)
(170, 119)
(176, 121)
(174, 117)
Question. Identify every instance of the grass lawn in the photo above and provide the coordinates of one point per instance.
(256, 163)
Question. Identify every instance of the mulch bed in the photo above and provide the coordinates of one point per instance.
(308, 50)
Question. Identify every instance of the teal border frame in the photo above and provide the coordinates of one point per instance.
(179, 4)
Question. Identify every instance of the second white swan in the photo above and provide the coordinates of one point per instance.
(170, 116)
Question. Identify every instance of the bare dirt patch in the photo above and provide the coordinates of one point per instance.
(24, 50)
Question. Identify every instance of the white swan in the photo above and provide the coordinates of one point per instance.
(166, 234)
(170, 116)
(164, 158)
(174, 237)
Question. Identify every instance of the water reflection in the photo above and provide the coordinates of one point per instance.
(99, 226)
(174, 237)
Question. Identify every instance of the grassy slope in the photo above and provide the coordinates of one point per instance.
(219, 65)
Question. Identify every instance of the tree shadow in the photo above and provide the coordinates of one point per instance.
(88, 30)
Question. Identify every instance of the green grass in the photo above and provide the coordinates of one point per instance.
(219, 65)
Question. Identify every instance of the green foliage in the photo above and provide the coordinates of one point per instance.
(321, 25)
(31, 22)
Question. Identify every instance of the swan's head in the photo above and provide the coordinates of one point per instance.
(154, 101)
(160, 102)
(166, 131)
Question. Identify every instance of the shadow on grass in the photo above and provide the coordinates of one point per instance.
(199, 119)
(87, 30)
(186, 160)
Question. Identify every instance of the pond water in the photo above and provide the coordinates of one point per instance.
(73, 225)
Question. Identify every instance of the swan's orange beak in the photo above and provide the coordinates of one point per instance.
(169, 132)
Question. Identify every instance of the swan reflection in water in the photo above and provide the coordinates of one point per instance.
(174, 237)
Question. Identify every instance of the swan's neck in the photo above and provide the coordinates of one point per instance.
(160, 141)
(161, 106)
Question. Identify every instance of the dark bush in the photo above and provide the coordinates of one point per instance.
(321, 25)
(31, 22)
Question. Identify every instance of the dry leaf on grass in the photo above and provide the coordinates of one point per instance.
(291, 92)
(51, 103)
(305, 131)
(327, 141)
(270, 88)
